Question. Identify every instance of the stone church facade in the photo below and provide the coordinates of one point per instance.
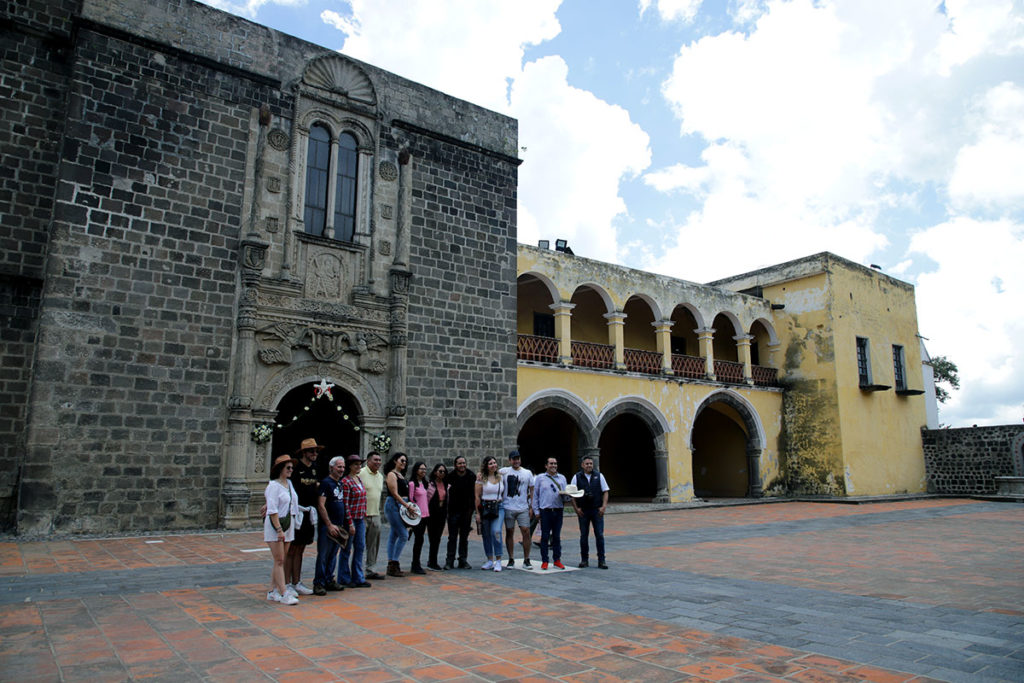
(205, 224)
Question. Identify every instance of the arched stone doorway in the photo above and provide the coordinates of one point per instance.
(549, 433)
(627, 459)
(726, 443)
(302, 416)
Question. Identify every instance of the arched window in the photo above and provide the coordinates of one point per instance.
(320, 194)
(345, 202)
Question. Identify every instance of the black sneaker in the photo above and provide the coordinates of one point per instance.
(433, 567)
(526, 564)
(319, 590)
(511, 563)
(602, 565)
(464, 565)
(418, 570)
(583, 564)
(364, 584)
(447, 566)
(335, 586)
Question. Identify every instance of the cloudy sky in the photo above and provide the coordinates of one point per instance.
(704, 139)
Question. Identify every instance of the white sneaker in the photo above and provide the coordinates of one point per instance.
(497, 566)
(273, 596)
(487, 565)
(289, 599)
(302, 590)
(290, 590)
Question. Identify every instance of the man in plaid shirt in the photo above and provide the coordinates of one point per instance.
(354, 495)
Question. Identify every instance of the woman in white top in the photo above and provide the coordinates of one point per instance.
(490, 517)
(279, 525)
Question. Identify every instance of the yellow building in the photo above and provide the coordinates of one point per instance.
(800, 378)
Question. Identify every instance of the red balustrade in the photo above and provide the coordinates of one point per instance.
(638, 360)
(765, 377)
(728, 371)
(590, 355)
(687, 366)
(540, 349)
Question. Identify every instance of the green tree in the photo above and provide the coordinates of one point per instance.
(946, 372)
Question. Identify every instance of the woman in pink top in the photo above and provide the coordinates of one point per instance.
(437, 508)
(418, 495)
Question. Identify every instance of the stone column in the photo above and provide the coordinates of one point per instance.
(398, 352)
(743, 346)
(616, 325)
(754, 471)
(707, 350)
(563, 330)
(332, 188)
(404, 223)
(661, 472)
(234, 489)
(364, 205)
(663, 334)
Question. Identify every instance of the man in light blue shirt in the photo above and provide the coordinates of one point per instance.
(548, 505)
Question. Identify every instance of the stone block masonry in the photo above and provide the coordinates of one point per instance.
(135, 336)
(965, 461)
(462, 354)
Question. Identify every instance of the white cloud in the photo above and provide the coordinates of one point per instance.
(465, 48)
(990, 171)
(673, 10)
(569, 180)
(250, 8)
(977, 287)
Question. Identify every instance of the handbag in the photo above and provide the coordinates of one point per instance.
(286, 520)
(489, 509)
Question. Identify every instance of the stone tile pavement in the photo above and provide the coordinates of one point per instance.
(915, 590)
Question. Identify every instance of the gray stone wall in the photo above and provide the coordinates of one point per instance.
(964, 461)
(462, 305)
(34, 37)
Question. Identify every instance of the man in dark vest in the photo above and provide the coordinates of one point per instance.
(461, 507)
(590, 510)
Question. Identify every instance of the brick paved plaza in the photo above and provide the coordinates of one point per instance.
(913, 590)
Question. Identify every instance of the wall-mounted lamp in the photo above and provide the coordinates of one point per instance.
(544, 244)
(562, 246)
(778, 307)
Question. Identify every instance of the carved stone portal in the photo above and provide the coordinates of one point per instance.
(276, 343)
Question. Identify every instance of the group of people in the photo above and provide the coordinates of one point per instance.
(343, 510)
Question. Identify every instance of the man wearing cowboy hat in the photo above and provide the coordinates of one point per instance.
(306, 485)
(590, 510)
(548, 504)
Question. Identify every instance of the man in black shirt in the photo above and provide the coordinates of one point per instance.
(306, 485)
(461, 506)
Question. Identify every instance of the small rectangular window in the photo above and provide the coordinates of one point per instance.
(863, 362)
(544, 325)
(898, 368)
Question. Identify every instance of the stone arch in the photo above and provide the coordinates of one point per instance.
(754, 429)
(337, 125)
(737, 326)
(651, 416)
(568, 403)
(773, 337)
(278, 385)
(695, 312)
(601, 292)
(651, 303)
(545, 280)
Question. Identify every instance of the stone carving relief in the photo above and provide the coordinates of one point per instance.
(387, 211)
(277, 342)
(270, 224)
(278, 139)
(324, 277)
(273, 184)
(388, 171)
(384, 248)
(334, 73)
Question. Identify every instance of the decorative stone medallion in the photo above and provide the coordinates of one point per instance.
(278, 139)
(388, 171)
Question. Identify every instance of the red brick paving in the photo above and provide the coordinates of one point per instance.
(452, 627)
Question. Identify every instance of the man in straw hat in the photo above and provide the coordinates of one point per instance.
(548, 503)
(590, 510)
(306, 485)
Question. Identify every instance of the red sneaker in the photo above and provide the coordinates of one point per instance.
(543, 565)
(558, 563)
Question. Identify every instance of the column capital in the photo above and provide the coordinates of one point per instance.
(562, 307)
(743, 339)
(615, 318)
(663, 325)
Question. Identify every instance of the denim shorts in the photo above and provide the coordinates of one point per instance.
(514, 519)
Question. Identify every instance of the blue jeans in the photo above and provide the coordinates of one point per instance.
(326, 557)
(351, 571)
(551, 529)
(591, 516)
(492, 534)
(399, 534)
